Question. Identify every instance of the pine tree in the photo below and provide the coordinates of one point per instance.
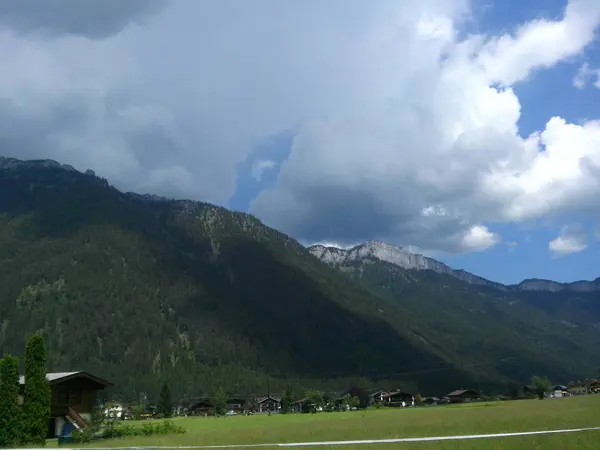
(10, 418)
(165, 406)
(220, 401)
(37, 394)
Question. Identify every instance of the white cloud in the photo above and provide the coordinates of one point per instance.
(479, 238)
(586, 75)
(572, 239)
(406, 131)
(446, 157)
(261, 166)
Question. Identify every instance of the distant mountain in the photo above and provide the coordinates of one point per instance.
(400, 257)
(549, 327)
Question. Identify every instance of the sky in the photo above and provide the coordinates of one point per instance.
(465, 130)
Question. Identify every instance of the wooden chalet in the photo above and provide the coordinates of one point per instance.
(268, 404)
(200, 406)
(430, 401)
(463, 395)
(377, 397)
(236, 404)
(398, 398)
(300, 405)
(73, 399)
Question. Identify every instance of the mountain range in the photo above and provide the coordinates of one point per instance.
(141, 289)
(376, 250)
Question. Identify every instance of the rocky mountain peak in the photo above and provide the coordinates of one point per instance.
(377, 250)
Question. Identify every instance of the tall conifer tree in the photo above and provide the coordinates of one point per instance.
(37, 394)
(10, 411)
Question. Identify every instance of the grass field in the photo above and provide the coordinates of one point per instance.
(478, 418)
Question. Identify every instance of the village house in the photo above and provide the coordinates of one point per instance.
(73, 399)
(377, 397)
(300, 405)
(463, 395)
(430, 401)
(399, 398)
(200, 406)
(236, 404)
(268, 404)
(584, 387)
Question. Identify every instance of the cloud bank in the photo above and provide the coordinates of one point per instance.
(405, 128)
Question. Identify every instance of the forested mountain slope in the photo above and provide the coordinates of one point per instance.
(524, 331)
(139, 290)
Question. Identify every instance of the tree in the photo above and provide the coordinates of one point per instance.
(361, 393)
(315, 400)
(37, 394)
(286, 401)
(329, 401)
(10, 417)
(165, 406)
(541, 386)
(418, 400)
(220, 401)
(355, 402)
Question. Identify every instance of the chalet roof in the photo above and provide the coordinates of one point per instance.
(264, 399)
(396, 393)
(58, 377)
(460, 392)
(378, 392)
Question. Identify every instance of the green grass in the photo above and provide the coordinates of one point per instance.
(526, 415)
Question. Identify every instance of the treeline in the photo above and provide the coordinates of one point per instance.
(25, 422)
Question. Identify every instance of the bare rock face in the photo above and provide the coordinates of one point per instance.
(13, 163)
(375, 250)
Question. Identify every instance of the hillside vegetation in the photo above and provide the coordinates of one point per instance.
(139, 291)
(142, 290)
(554, 333)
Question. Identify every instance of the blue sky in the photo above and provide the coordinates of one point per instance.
(545, 94)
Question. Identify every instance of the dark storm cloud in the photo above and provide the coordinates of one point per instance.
(94, 19)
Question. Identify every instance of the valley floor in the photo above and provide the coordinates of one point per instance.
(477, 418)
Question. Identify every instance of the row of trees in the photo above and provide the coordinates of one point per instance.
(25, 422)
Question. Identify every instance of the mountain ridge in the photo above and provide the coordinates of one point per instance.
(370, 249)
(413, 261)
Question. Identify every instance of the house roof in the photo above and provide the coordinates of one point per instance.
(398, 393)
(460, 392)
(264, 399)
(59, 377)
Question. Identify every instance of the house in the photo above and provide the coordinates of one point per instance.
(559, 391)
(200, 406)
(430, 401)
(584, 387)
(399, 398)
(527, 391)
(236, 404)
(300, 405)
(462, 395)
(73, 399)
(377, 397)
(268, 404)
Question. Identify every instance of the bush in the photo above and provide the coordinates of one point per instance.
(126, 430)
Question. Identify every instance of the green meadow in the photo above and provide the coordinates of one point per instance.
(477, 418)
